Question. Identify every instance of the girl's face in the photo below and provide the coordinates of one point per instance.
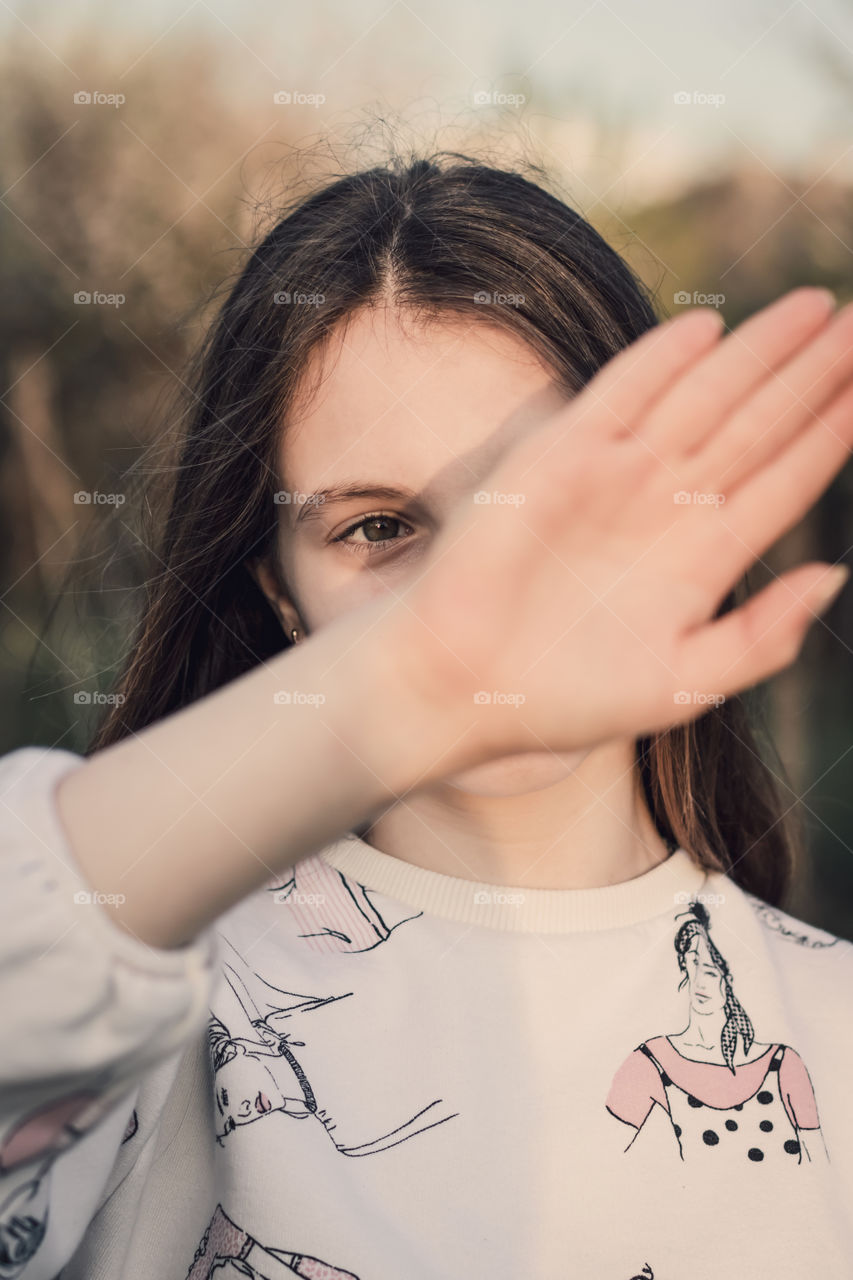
(422, 412)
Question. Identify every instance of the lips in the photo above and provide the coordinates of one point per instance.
(262, 1103)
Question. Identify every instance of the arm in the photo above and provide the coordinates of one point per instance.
(635, 1089)
(89, 1014)
(190, 815)
(797, 1093)
(182, 820)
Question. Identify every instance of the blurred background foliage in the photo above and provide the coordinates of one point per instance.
(159, 199)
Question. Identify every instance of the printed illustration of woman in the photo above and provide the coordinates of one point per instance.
(256, 1071)
(28, 1152)
(225, 1243)
(333, 912)
(728, 1098)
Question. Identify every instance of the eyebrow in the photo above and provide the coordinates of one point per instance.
(315, 502)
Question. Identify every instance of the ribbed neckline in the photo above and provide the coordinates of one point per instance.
(664, 888)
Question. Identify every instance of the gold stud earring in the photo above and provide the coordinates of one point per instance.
(293, 635)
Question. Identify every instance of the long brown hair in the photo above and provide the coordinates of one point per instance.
(440, 234)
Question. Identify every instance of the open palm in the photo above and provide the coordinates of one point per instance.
(576, 604)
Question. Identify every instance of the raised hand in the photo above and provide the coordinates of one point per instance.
(581, 597)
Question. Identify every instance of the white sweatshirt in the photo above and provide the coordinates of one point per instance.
(371, 1070)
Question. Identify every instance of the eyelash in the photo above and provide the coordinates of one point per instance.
(369, 548)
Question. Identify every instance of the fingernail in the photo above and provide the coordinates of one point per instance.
(830, 587)
(828, 294)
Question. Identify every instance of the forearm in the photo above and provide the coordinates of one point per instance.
(188, 816)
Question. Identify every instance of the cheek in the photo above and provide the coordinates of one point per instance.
(328, 585)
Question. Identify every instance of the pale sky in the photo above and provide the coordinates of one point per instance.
(751, 69)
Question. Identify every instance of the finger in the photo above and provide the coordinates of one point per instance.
(610, 404)
(761, 637)
(781, 407)
(773, 500)
(736, 367)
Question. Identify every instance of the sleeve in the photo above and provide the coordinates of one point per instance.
(88, 1012)
(635, 1089)
(797, 1093)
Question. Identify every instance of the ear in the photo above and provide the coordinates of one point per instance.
(266, 580)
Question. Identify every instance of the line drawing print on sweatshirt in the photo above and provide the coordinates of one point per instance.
(28, 1150)
(779, 922)
(729, 1098)
(257, 1075)
(334, 912)
(131, 1127)
(224, 1242)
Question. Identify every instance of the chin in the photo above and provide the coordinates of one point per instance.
(517, 774)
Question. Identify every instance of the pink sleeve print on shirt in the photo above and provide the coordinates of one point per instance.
(27, 1154)
(797, 1093)
(224, 1242)
(46, 1131)
(333, 912)
(635, 1089)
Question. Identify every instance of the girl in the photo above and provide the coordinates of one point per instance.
(325, 957)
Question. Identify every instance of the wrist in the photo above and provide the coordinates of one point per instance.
(411, 728)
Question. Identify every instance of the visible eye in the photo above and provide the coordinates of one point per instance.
(225, 1097)
(380, 531)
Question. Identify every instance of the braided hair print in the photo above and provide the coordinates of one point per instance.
(737, 1020)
